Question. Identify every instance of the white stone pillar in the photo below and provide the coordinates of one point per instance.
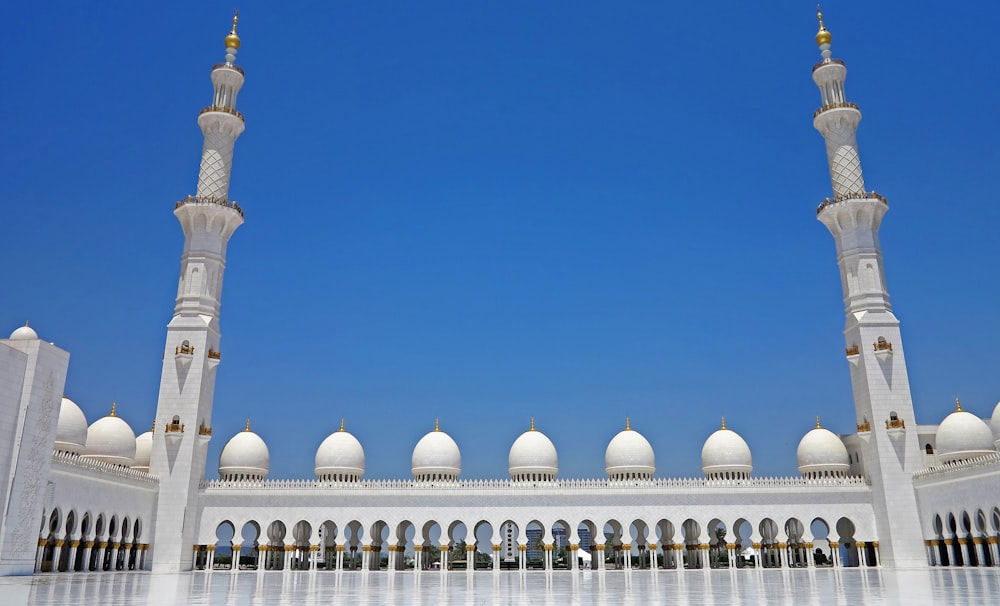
(261, 558)
(835, 553)
(235, 566)
(522, 561)
(338, 562)
(495, 549)
(994, 550)
(128, 556)
(142, 554)
(39, 554)
(85, 560)
(418, 558)
(878, 559)
(210, 560)
(57, 554)
(470, 558)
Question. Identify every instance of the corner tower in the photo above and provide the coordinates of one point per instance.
(874, 347)
(192, 355)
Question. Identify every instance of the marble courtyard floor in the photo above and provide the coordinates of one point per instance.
(806, 586)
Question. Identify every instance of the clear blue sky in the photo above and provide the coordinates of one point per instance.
(492, 211)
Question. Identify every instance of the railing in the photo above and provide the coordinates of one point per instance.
(204, 431)
(214, 355)
(853, 350)
(72, 460)
(864, 426)
(187, 350)
(175, 428)
(864, 195)
(231, 66)
(209, 200)
(505, 485)
(828, 62)
(990, 460)
(882, 345)
(224, 109)
(895, 424)
(837, 105)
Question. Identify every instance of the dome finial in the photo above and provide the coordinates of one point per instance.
(532, 424)
(341, 423)
(437, 424)
(723, 423)
(818, 426)
(823, 36)
(958, 405)
(628, 424)
(113, 406)
(232, 40)
(248, 425)
(27, 324)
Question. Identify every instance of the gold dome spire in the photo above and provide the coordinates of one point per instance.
(248, 425)
(437, 424)
(232, 40)
(823, 36)
(628, 424)
(341, 424)
(532, 424)
(818, 426)
(113, 406)
(723, 423)
(958, 405)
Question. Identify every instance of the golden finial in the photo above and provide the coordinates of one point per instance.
(818, 426)
(532, 424)
(232, 40)
(628, 424)
(341, 423)
(437, 424)
(113, 406)
(723, 423)
(248, 425)
(958, 405)
(822, 36)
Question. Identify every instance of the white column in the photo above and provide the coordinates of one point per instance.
(994, 550)
(495, 549)
(39, 554)
(210, 563)
(85, 560)
(261, 558)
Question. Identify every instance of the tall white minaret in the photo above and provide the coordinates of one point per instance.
(191, 356)
(886, 427)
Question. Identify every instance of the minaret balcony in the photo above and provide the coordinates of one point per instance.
(828, 61)
(865, 195)
(209, 200)
(234, 67)
(838, 105)
(214, 357)
(223, 109)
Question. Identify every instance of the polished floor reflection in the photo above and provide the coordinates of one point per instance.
(808, 586)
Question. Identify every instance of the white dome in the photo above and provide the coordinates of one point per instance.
(533, 457)
(71, 431)
(340, 457)
(244, 457)
(963, 435)
(436, 457)
(995, 425)
(24, 333)
(822, 454)
(629, 455)
(111, 440)
(726, 456)
(143, 451)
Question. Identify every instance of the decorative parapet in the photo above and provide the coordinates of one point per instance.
(71, 460)
(869, 195)
(827, 61)
(224, 109)
(231, 66)
(882, 345)
(989, 461)
(853, 350)
(209, 200)
(184, 350)
(896, 423)
(506, 485)
(864, 426)
(204, 431)
(174, 427)
(214, 355)
(837, 105)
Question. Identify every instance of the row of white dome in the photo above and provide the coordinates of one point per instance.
(725, 455)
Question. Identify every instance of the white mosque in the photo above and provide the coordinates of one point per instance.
(92, 498)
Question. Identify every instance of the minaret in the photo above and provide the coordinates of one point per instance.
(191, 356)
(886, 427)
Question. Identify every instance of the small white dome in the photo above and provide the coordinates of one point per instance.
(436, 457)
(143, 451)
(726, 456)
(822, 454)
(244, 457)
(962, 436)
(995, 425)
(533, 456)
(629, 456)
(24, 333)
(111, 440)
(340, 458)
(71, 431)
